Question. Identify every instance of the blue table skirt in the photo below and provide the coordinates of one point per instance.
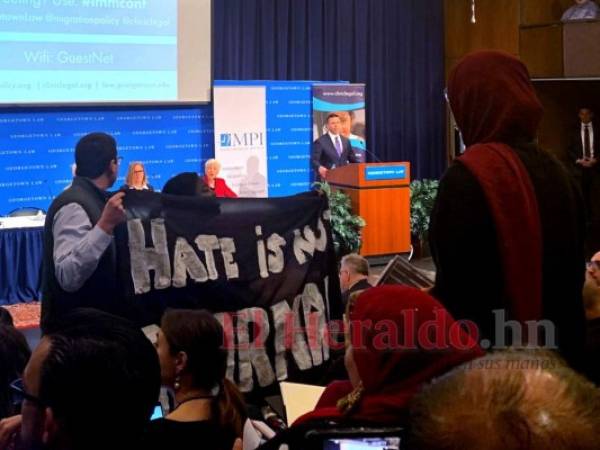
(20, 262)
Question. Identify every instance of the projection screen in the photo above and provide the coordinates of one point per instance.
(105, 51)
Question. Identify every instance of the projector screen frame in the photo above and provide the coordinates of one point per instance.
(85, 104)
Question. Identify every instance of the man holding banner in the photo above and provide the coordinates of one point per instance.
(79, 266)
(332, 149)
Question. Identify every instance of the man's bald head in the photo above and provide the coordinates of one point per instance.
(508, 400)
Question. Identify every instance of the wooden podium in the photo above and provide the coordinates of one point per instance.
(380, 194)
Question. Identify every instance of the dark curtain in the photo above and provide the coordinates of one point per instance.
(396, 47)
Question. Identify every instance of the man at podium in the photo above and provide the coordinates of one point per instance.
(332, 149)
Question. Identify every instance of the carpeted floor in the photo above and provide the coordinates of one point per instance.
(25, 315)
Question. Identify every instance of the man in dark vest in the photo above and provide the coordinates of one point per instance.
(79, 265)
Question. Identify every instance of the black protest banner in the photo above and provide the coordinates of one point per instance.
(265, 267)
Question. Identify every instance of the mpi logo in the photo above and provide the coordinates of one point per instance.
(248, 139)
(225, 139)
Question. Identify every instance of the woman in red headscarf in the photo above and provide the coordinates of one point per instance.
(398, 338)
(506, 231)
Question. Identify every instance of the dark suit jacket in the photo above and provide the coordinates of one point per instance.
(576, 144)
(324, 153)
(126, 186)
(358, 286)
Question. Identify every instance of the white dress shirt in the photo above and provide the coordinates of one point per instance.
(591, 129)
(78, 246)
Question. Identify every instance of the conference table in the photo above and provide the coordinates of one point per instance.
(21, 248)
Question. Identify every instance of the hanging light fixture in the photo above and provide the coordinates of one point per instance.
(473, 18)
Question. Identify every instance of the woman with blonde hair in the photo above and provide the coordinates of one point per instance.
(136, 177)
(217, 185)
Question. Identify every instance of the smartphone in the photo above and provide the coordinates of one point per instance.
(157, 413)
(370, 443)
(359, 438)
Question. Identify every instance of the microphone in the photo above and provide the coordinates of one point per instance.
(373, 155)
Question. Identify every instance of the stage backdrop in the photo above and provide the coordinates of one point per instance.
(395, 47)
(266, 267)
(37, 147)
(240, 138)
(348, 102)
(287, 110)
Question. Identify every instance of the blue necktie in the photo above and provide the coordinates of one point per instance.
(338, 146)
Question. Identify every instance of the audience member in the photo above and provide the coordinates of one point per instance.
(187, 183)
(591, 301)
(591, 288)
(581, 10)
(506, 230)
(354, 275)
(212, 167)
(14, 354)
(79, 267)
(137, 178)
(209, 412)
(5, 317)
(91, 384)
(507, 401)
(398, 338)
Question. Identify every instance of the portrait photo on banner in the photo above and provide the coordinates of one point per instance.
(347, 102)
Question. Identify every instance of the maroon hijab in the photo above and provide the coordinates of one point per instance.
(494, 104)
(407, 339)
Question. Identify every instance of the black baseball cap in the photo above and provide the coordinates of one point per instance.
(93, 154)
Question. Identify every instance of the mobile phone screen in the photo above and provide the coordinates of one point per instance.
(365, 443)
(157, 413)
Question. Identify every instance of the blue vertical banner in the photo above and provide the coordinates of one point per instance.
(37, 147)
(289, 131)
(348, 102)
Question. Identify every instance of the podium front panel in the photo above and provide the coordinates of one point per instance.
(380, 194)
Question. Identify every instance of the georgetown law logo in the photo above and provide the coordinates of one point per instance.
(246, 139)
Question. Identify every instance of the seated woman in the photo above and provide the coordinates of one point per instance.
(136, 178)
(210, 411)
(217, 185)
(398, 338)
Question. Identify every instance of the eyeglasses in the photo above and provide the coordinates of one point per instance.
(593, 265)
(138, 171)
(19, 394)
